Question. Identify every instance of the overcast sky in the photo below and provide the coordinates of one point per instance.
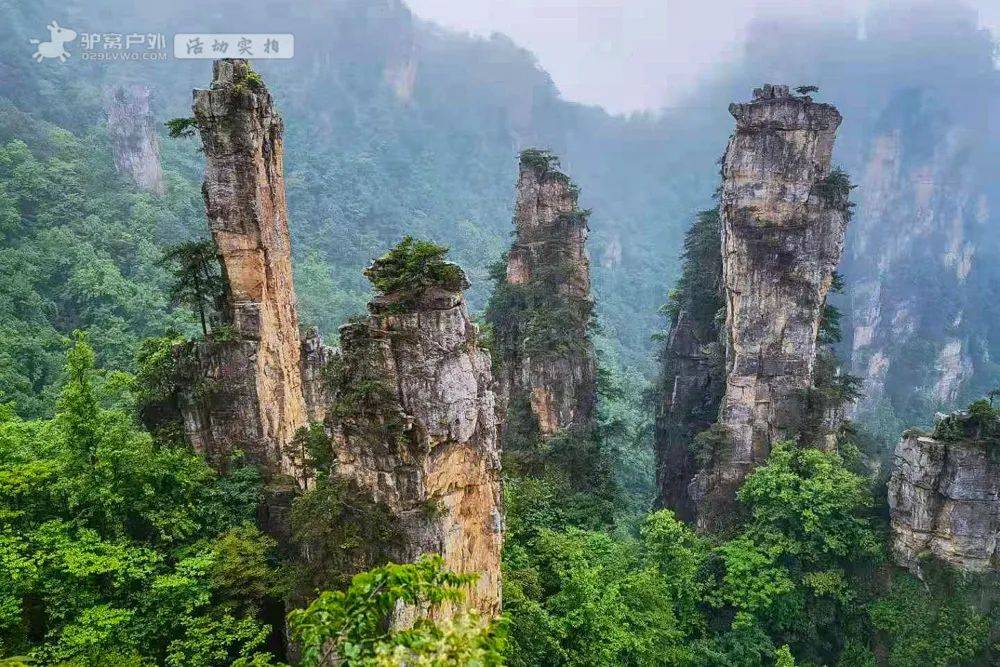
(631, 54)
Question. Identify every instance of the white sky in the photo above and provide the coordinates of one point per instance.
(628, 55)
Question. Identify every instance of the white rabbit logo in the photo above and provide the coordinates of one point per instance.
(54, 48)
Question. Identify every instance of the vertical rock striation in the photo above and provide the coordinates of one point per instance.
(133, 139)
(414, 424)
(783, 215)
(919, 338)
(548, 360)
(247, 392)
(944, 497)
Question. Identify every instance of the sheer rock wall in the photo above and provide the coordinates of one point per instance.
(260, 371)
(551, 238)
(782, 238)
(439, 473)
(944, 500)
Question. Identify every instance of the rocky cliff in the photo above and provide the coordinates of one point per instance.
(407, 403)
(541, 312)
(783, 216)
(944, 495)
(918, 335)
(414, 425)
(243, 389)
(133, 137)
(692, 377)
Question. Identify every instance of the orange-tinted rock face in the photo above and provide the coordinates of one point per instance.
(429, 452)
(245, 201)
(429, 448)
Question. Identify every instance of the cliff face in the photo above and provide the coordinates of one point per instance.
(133, 139)
(548, 365)
(414, 424)
(944, 500)
(247, 392)
(408, 402)
(692, 380)
(918, 338)
(783, 222)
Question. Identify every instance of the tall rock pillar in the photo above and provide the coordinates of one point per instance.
(414, 425)
(133, 139)
(783, 215)
(247, 390)
(542, 309)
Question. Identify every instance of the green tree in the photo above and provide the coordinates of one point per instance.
(411, 267)
(117, 550)
(350, 626)
(197, 281)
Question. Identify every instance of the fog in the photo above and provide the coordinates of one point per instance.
(629, 55)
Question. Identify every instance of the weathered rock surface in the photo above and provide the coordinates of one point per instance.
(944, 500)
(429, 448)
(416, 426)
(783, 226)
(550, 253)
(133, 137)
(247, 393)
(693, 373)
(917, 259)
(690, 405)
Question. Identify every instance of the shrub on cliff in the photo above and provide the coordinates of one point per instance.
(980, 421)
(539, 159)
(404, 273)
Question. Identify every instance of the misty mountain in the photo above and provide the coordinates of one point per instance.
(397, 126)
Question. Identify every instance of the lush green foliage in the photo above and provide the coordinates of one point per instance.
(350, 625)
(788, 577)
(117, 550)
(410, 268)
(80, 250)
(698, 291)
(340, 532)
(979, 422)
(936, 622)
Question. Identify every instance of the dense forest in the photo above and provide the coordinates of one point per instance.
(406, 148)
